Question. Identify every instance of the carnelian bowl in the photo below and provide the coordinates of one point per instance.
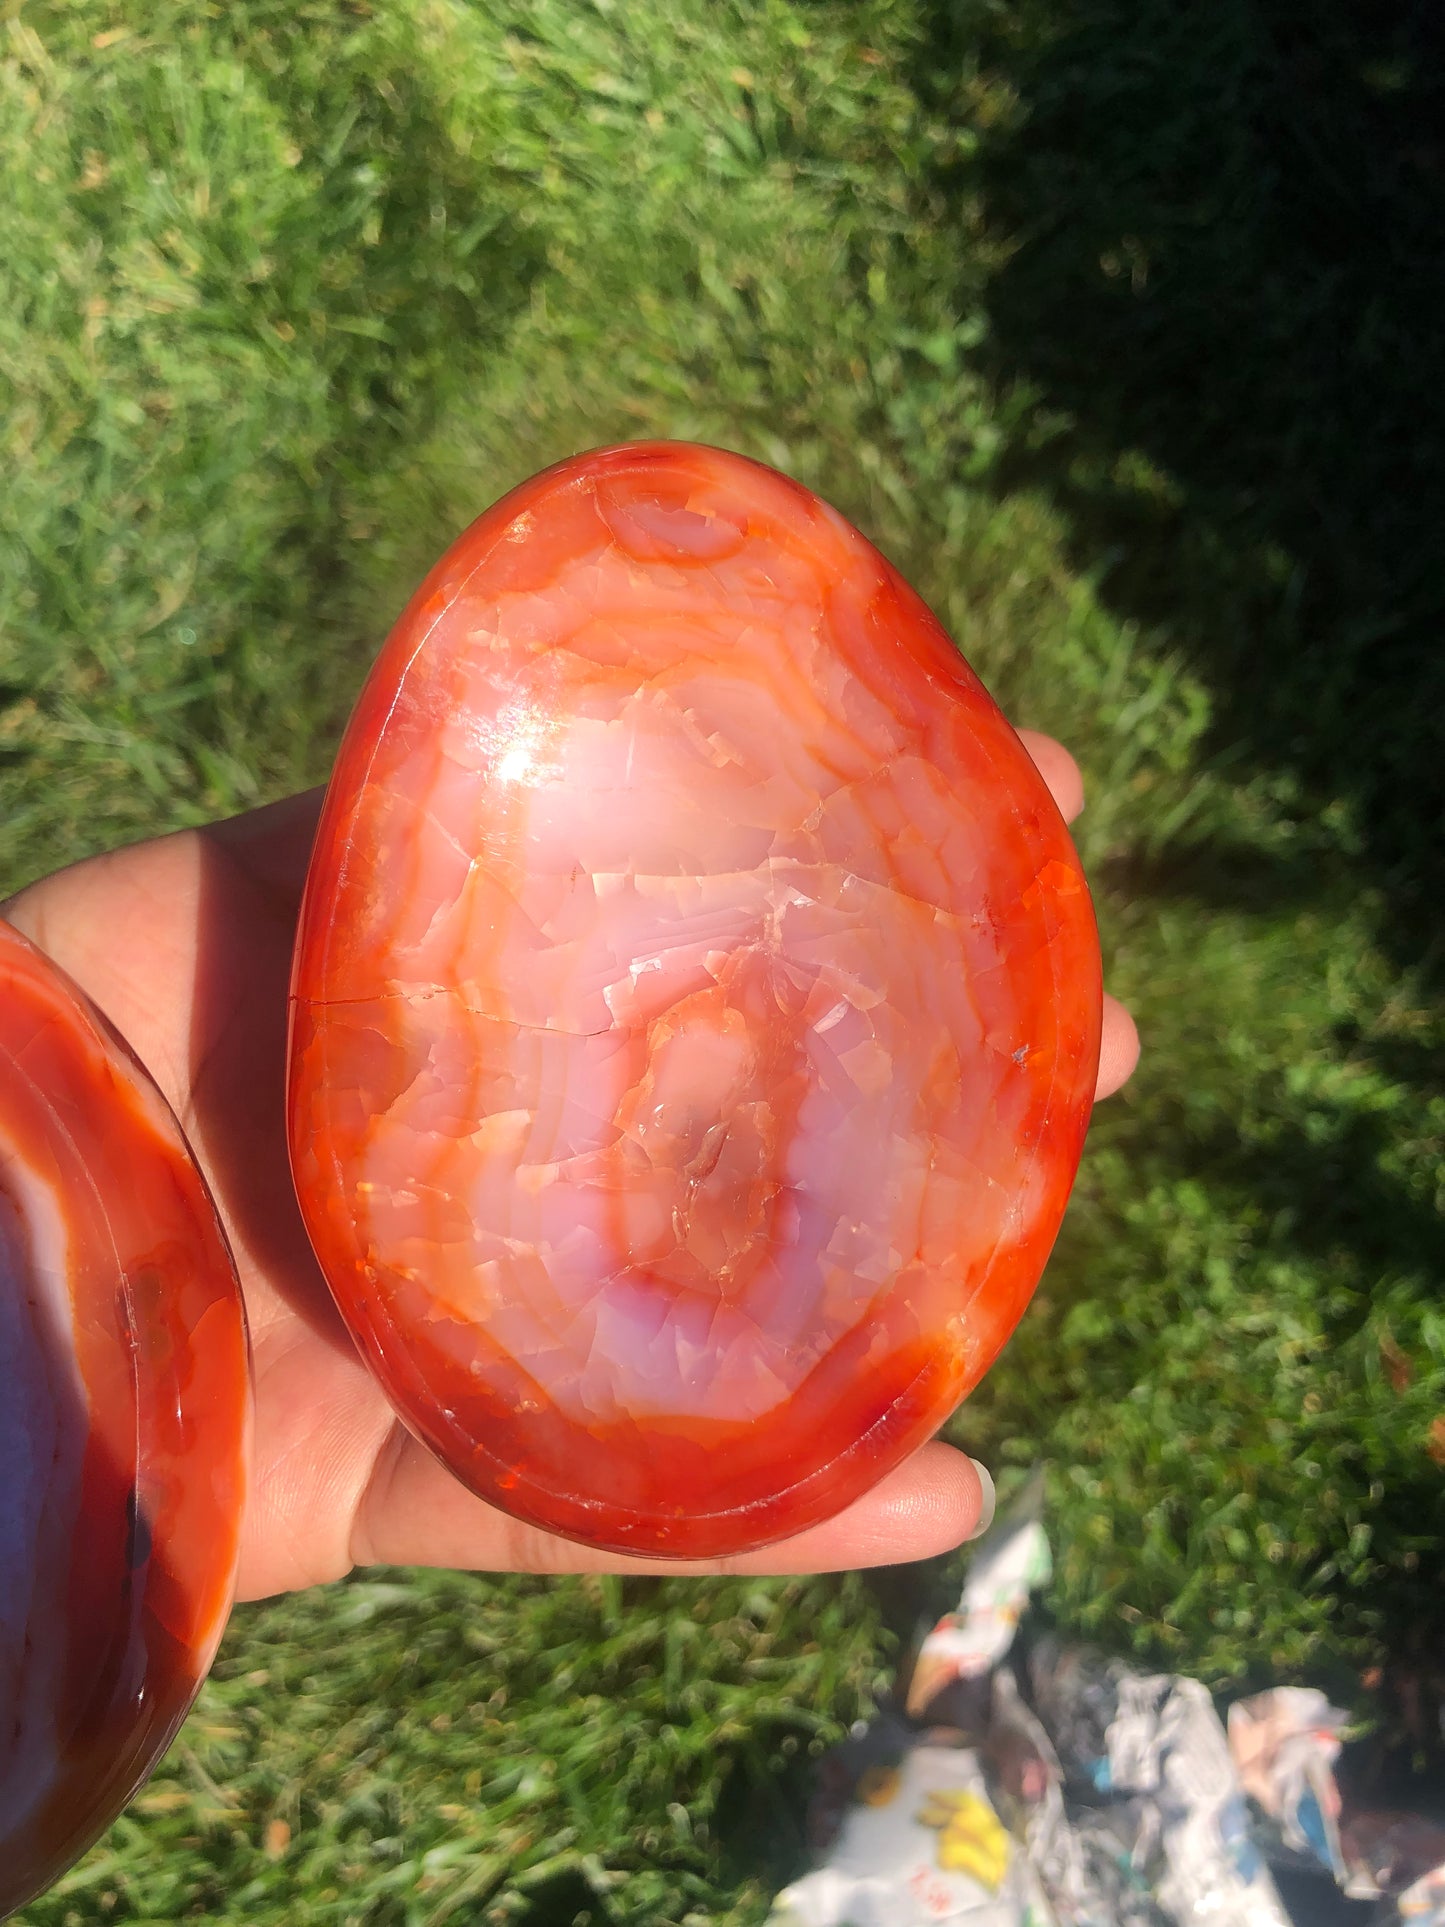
(124, 1423)
(695, 1012)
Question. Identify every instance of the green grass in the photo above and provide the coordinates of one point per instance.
(520, 1753)
(1116, 327)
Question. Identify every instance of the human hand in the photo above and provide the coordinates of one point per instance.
(184, 942)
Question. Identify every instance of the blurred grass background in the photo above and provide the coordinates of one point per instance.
(1119, 329)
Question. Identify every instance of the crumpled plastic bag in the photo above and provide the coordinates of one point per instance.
(1087, 1793)
(1146, 1763)
(920, 1840)
(1285, 1743)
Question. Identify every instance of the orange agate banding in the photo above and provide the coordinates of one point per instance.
(696, 1010)
(123, 1426)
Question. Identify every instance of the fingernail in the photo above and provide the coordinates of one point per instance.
(990, 1499)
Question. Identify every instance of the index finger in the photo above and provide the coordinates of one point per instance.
(1058, 769)
(414, 1512)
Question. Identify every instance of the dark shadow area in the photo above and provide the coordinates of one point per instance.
(1326, 1195)
(564, 1900)
(761, 1820)
(1313, 1900)
(1228, 228)
(1224, 228)
(1220, 874)
(1403, 1059)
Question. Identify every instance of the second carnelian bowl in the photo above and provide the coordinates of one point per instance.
(695, 1012)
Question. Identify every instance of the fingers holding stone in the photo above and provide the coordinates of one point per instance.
(1118, 1048)
(1058, 769)
(416, 1513)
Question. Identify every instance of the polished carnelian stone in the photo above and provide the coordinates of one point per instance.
(124, 1423)
(696, 1010)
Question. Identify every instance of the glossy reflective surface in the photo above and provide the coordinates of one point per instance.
(124, 1414)
(696, 1010)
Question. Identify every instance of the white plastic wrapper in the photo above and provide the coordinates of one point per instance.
(1284, 1744)
(1114, 1804)
(922, 1842)
(1423, 1902)
(1147, 1763)
(967, 1644)
(1101, 1797)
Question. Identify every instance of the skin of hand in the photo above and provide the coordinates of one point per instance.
(184, 942)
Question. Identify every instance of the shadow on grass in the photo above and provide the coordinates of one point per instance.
(1229, 259)
(761, 1822)
(566, 1900)
(1225, 227)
